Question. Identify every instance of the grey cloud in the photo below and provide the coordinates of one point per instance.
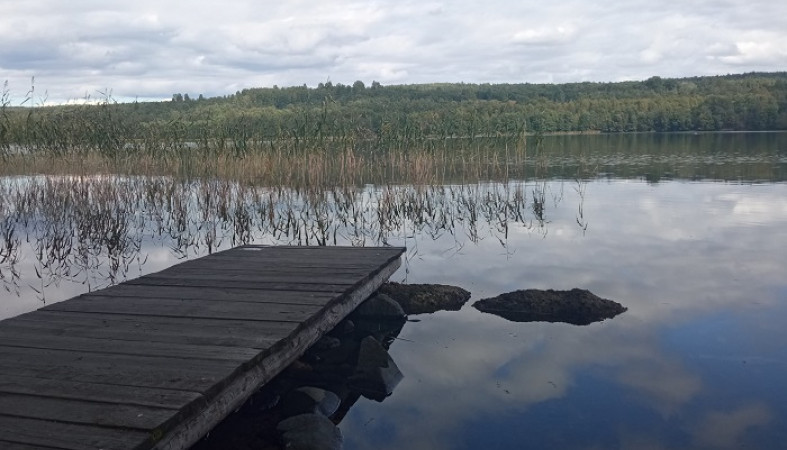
(209, 46)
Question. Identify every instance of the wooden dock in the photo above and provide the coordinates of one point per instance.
(158, 361)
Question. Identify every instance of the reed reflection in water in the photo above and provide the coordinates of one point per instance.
(62, 234)
(93, 231)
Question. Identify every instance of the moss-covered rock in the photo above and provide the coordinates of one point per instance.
(426, 298)
(577, 306)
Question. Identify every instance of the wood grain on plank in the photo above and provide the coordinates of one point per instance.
(129, 395)
(126, 347)
(167, 307)
(153, 280)
(211, 293)
(157, 361)
(123, 370)
(47, 433)
(103, 414)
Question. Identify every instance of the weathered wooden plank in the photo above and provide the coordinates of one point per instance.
(310, 254)
(127, 375)
(168, 373)
(128, 395)
(280, 312)
(222, 332)
(136, 321)
(253, 267)
(176, 351)
(172, 335)
(137, 417)
(297, 262)
(5, 445)
(15, 338)
(207, 293)
(46, 433)
(13, 355)
(307, 250)
(287, 351)
(259, 279)
(152, 280)
(287, 248)
(323, 265)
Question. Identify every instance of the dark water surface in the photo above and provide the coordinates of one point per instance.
(698, 361)
(686, 231)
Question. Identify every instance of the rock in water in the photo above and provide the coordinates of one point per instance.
(426, 298)
(577, 306)
(381, 307)
(310, 432)
(376, 374)
(308, 399)
(325, 343)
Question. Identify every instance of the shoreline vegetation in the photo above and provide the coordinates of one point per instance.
(92, 227)
(751, 157)
(357, 126)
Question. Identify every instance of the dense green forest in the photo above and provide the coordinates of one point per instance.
(401, 113)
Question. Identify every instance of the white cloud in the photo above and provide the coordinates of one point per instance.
(558, 34)
(755, 53)
(723, 429)
(246, 44)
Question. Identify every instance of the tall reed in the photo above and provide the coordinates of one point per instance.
(92, 229)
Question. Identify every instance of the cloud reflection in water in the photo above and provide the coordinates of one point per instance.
(679, 255)
(676, 254)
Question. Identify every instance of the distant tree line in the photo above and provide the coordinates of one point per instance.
(752, 101)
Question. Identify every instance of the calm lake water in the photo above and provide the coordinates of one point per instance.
(686, 231)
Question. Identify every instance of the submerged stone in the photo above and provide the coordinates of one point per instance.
(310, 432)
(382, 330)
(339, 355)
(376, 374)
(381, 307)
(325, 343)
(344, 328)
(426, 298)
(308, 399)
(577, 306)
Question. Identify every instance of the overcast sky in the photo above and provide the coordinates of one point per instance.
(150, 49)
